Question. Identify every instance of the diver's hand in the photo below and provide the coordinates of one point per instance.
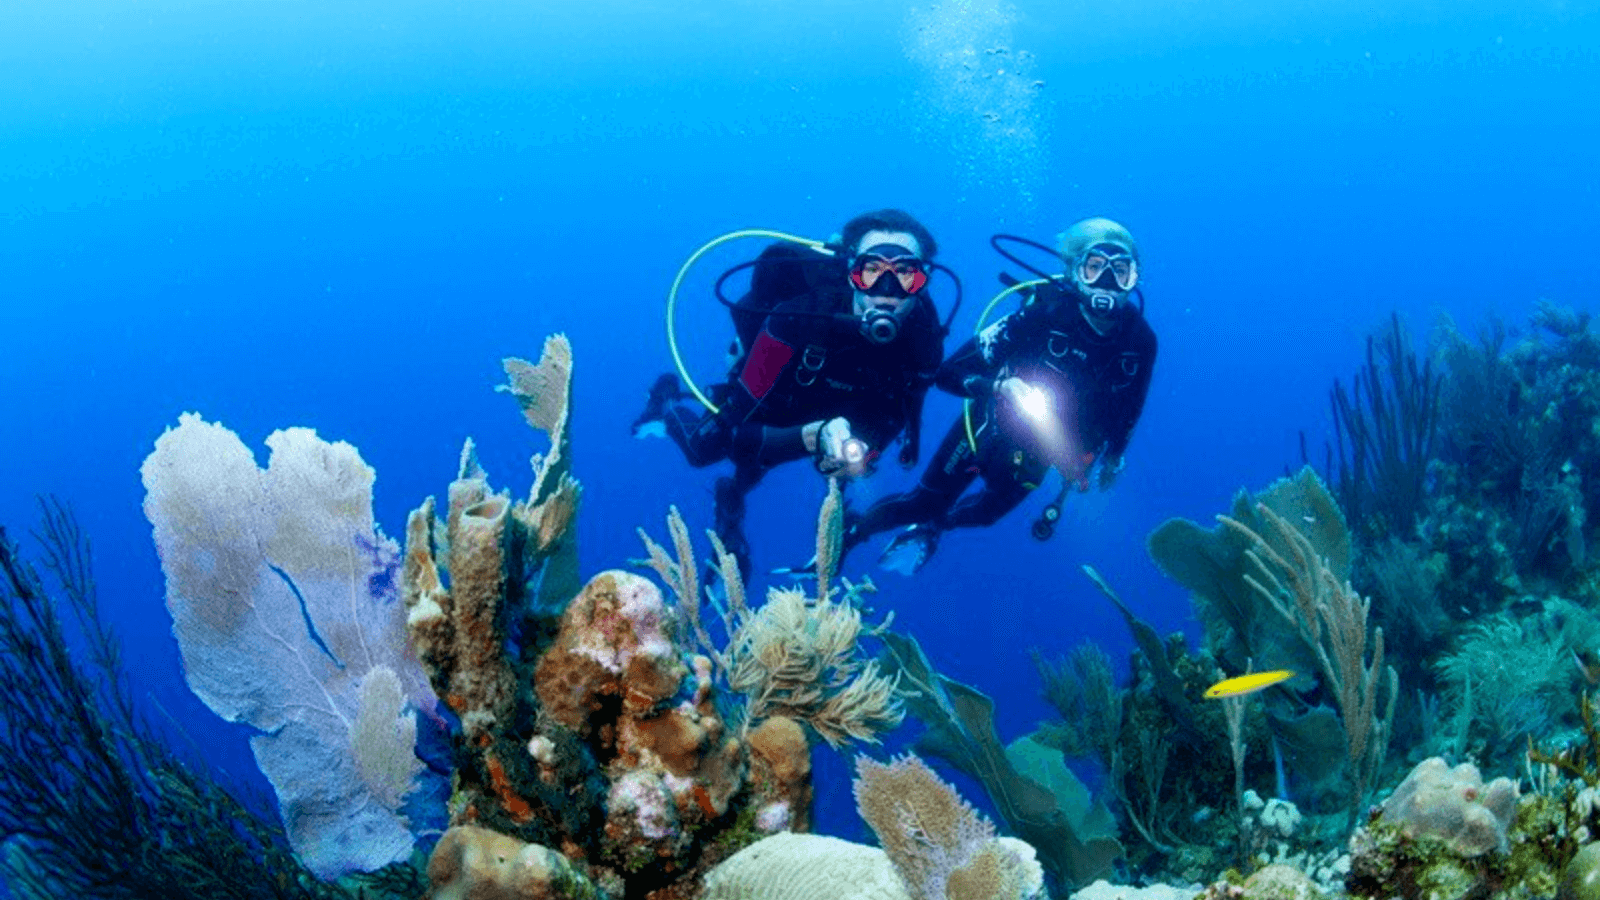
(839, 451)
(1011, 389)
(1030, 400)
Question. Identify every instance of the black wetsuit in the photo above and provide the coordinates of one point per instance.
(805, 360)
(1096, 384)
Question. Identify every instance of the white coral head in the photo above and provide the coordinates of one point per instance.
(774, 817)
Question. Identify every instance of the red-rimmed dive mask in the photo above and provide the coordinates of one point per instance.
(868, 269)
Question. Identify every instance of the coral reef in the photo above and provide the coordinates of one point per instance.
(587, 729)
(589, 724)
(593, 753)
(1462, 474)
(605, 743)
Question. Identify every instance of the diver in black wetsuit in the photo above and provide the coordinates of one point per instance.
(1059, 383)
(837, 353)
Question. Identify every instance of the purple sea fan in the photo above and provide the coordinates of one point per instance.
(282, 599)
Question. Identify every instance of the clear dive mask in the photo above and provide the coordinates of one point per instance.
(1107, 269)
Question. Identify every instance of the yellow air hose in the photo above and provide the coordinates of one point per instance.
(672, 296)
(966, 405)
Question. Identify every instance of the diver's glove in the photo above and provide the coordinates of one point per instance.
(663, 393)
(840, 452)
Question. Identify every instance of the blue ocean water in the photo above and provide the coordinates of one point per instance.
(344, 215)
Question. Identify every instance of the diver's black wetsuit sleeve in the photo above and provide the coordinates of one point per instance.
(972, 370)
(1130, 400)
(966, 373)
(911, 449)
(929, 357)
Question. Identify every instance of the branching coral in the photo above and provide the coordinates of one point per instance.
(793, 656)
(1385, 428)
(1083, 691)
(1332, 620)
(678, 572)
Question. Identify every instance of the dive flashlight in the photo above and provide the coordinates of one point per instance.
(1033, 402)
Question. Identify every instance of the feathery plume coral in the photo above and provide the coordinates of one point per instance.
(793, 656)
(942, 848)
(801, 659)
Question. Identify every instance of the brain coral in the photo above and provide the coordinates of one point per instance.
(1453, 805)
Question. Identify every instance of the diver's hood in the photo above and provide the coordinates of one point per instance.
(1071, 243)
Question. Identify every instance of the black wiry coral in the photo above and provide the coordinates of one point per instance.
(92, 804)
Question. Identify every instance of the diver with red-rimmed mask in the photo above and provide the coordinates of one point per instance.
(838, 344)
(1059, 383)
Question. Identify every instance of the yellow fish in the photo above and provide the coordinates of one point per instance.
(1247, 684)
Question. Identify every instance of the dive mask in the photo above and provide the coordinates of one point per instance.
(888, 270)
(1108, 269)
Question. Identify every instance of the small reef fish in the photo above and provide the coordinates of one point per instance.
(1247, 684)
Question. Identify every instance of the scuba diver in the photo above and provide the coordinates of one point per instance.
(1059, 383)
(837, 347)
